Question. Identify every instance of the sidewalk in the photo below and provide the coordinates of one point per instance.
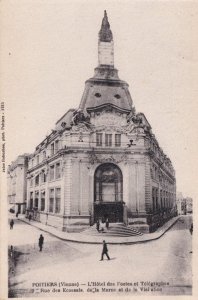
(86, 239)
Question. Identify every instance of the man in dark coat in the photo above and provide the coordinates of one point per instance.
(107, 223)
(191, 229)
(11, 224)
(98, 225)
(105, 251)
(41, 241)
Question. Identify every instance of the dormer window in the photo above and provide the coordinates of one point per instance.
(117, 96)
(98, 95)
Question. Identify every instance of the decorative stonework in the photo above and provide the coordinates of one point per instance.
(102, 158)
(108, 118)
(80, 127)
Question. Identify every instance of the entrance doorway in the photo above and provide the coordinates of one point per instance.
(108, 193)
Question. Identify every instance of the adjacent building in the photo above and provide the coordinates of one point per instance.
(17, 184)
(179, 203)
(101, 160)
(184, 204)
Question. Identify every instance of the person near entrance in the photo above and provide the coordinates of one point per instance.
(98, 225)
(105, 251)
(107, 223)
(41, 240)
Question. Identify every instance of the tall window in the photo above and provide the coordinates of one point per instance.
(161, 199)
(56, 146)
(57, 200)
(36, 199)
(44, 154)
(42, 200)
(108, 140)
(31, 200)
(37, 159)
(51, 175)
(58, 170)
(117, 140)
(51, 200)
(98, 139)
(43, 176)
(153, 198)
(156, 198)
(164, 199)
(31, 181)
(52, 149)
(37, 180)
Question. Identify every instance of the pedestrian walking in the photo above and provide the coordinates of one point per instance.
(41, 241)
(191, 229)
(107, 223)
(11, 224)
(11, 251)
(17, 214)
(98, 225)
(105, 251)
(30, 217)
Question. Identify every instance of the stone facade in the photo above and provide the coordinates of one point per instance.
(17, 184)
(102, 160)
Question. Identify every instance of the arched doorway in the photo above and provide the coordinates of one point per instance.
(108, 193)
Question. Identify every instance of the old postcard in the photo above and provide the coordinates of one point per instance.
(98, 148)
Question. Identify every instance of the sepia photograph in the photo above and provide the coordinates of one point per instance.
(98, 148)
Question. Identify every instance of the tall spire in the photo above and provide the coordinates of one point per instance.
(105, 34)
(105, 43)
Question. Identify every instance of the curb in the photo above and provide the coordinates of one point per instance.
(111, 242)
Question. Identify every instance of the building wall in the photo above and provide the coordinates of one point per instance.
(17, 183)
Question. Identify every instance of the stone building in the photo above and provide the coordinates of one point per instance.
(102, 160)
(17, 184)
(179, 203)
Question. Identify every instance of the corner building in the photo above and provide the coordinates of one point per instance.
(102, 160)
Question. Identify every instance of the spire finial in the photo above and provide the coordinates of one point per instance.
(105, 34)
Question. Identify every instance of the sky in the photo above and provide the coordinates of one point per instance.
(49, 49)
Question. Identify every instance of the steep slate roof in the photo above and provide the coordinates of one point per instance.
(99, 93)
(66, 118)
(105, 87)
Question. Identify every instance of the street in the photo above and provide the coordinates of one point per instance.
(166, 261)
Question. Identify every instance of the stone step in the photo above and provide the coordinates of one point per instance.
(115, 229)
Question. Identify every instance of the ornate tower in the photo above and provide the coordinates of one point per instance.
(105, 43)
(105, 87)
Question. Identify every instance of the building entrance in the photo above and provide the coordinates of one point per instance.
(108, 193)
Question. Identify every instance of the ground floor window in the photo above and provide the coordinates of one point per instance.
(31, 200)
(43, 201)
(155, 198)
(36, 200)
(57, 200)
(51, 201)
